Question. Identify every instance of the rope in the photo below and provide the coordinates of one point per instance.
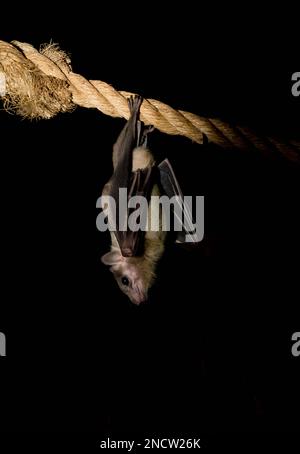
(40, 84)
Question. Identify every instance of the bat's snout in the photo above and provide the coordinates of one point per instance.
(140, 301)
(139, 298)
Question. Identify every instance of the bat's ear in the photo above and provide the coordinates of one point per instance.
(111, 258)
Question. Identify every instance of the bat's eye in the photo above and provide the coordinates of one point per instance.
(125, 280)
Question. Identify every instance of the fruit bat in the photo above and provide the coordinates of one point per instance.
(134, 254)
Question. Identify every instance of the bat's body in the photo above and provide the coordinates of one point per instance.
(134, 275)
(134, 255)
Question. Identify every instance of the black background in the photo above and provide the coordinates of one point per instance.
(211, 351)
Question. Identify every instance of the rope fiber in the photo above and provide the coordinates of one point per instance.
(40, 84)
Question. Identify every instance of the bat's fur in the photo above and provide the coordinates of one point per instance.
(140, 270)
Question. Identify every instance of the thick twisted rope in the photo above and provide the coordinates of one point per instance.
(40, 84)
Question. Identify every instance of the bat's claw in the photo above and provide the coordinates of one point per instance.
(135, 103)
(148, 129)
(144, 136)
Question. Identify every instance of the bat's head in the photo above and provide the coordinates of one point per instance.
(131, 275)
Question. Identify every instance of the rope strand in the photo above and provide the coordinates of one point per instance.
(40, 84)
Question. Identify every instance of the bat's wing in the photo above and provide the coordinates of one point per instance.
(134, 134)
(182, 211)
(140, 184)
(122, 150)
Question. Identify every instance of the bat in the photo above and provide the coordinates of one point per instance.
(134, 255)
